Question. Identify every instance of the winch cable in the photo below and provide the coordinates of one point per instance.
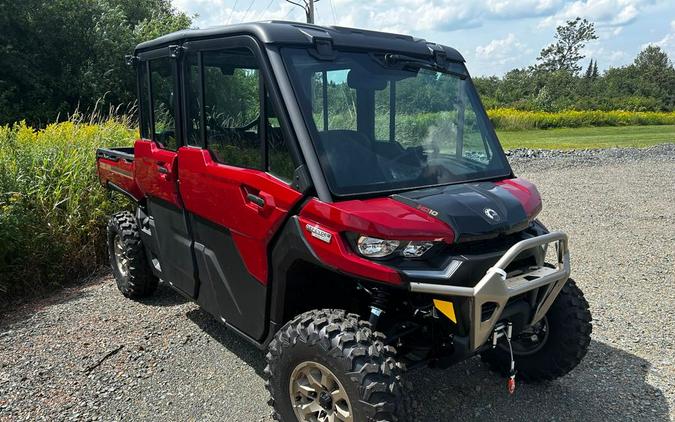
(511, 383)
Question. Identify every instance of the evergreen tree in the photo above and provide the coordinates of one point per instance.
(589, 71)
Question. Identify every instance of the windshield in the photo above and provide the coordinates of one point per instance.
(390, 122)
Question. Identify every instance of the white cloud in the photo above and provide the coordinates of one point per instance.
(393, 15)
(494, 46)
(602, 12)
(667, 43)
(502, 51)
(522, 8)
(410, 15)
(222, 12)
(438, 15)
(605, 56)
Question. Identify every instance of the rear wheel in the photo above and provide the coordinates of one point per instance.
(329, 366)
(552, 347)
(127, 257)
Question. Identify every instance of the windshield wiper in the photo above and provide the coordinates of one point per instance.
(393, 59)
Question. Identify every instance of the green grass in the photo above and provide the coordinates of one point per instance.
(588, 137)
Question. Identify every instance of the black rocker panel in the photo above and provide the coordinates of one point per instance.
(227, 290)
(173, 244)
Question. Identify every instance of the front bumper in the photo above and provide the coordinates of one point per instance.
(496, 287)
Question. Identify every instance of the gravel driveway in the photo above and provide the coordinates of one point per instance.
(89, 354)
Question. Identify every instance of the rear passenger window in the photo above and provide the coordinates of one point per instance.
(232, 106)
(193, 100)
(163, 87)
(143, 101)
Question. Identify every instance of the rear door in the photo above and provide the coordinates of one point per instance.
(156, 169)
(234, 177)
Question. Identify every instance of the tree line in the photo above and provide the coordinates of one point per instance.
(59, 56)
(556, 82)
(62, 56)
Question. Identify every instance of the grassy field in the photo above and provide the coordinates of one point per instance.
(588, 137)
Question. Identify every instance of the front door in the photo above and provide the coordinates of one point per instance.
(156, 170)
(232, 178)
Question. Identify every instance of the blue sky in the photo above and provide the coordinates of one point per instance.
(493, 35)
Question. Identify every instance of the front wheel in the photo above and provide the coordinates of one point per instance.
(552, 347)
(329, 366)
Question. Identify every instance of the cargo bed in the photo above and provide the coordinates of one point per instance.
(116, 170)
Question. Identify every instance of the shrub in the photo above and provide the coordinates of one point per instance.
(510, 119)
(412, 129)
(52, 208)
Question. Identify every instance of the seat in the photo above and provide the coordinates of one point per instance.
(349, 158)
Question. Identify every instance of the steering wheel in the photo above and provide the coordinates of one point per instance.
(397, 166)
(405, 153)
(438, 172)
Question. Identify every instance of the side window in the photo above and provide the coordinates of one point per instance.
(231, 109)
(280, 162)
(193, 96)
(163, 83)
(143, 101)
(222, 89)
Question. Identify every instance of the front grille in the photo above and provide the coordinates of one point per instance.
(479, 247)
(476, 258)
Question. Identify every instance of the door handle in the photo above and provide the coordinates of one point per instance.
(161, 168)
(256, 200)
(260, 201)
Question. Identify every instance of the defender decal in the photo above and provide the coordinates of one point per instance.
(319, 233)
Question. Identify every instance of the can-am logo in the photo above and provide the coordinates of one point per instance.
(492, 214)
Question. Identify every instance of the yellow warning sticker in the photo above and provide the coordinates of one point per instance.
(446, 308)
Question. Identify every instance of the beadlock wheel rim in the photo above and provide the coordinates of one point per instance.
(317, 395)
(121, 260)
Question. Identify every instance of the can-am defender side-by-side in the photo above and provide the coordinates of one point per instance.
(339, 198)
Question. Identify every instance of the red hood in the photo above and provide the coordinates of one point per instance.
(393, 218)
(389, 218)
(378, 217)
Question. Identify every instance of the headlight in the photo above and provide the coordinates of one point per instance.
(415, 249)
(372, 247)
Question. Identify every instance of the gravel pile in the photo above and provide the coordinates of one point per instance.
(576, 157)
(89, 354)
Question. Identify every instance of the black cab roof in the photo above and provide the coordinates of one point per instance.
(301, 34)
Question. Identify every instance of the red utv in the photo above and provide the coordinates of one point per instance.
(339, 198)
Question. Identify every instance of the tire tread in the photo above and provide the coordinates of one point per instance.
(140, 281)
(344, 336)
